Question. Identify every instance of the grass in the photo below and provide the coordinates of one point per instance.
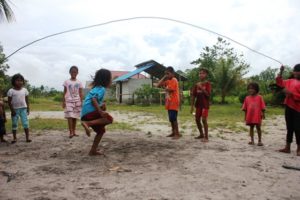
(220, 116)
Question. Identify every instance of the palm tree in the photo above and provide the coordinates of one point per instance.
(6, 13)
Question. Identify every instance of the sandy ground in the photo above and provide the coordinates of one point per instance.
(143, 165)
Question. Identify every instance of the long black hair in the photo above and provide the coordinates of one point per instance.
(102, 78)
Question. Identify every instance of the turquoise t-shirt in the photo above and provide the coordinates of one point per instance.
(96, 92)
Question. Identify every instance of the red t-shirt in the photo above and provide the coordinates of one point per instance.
(254, 105)
(202, 99)
(292, 85)
(172, 98)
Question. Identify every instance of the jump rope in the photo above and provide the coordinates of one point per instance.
(141, 18)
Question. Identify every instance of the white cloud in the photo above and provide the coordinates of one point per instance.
(267, 26)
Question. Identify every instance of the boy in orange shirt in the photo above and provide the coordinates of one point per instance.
(170, 84)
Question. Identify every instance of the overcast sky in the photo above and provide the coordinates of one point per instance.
(271, 27)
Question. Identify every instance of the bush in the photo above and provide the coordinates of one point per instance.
(146, 94)
(242, 97)
(58, 98)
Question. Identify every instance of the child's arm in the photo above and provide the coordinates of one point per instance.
(98, 108)
(192, 101)
(27, 102)
(12, 110)
(63, 99)
(279, 79)
(81, 94)
(161, 82)
(263, 116)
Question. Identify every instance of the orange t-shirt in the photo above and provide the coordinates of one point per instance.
(172, 98)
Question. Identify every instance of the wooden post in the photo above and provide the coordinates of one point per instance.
(120, 98)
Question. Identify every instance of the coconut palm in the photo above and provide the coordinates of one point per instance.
(6, 13)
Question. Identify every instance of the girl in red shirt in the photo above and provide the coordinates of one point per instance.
(291, 88)
(254, 107)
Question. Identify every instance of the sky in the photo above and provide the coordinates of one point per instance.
(268, 26)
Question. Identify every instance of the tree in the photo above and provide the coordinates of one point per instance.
(4, 79)
(226, 67)
(6, 13)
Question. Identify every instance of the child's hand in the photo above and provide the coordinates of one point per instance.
(287, 92)
(28, 111)
(103, 107)
(281, 68)
(263, 115)
(64, 105)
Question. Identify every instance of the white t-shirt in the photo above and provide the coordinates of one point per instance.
(72, 94)
(18, 97)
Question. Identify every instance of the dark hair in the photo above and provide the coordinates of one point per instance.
(204, 69)
(253, 85)
(15, 77)
(297, 68)
(170, 69)
(102, 78)
(73, 67)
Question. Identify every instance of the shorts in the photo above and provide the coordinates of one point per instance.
(2, 127)
(172, 115)
(201, 112)
(22, 113)
(95, 115)
(73, 109)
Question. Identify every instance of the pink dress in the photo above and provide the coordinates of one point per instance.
(72, 99)
(253, 106)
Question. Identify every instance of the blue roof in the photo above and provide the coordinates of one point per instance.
(137, 71)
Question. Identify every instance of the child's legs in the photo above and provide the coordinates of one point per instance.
(74, 120)
(258, 129)
(25, 122)
(70, 125)
(96, 142)
(289, 124)
(198, 116)
(296, 122)
(97, 122)
(14, 124)
(252, 133)
(204, 121)
(173, 120)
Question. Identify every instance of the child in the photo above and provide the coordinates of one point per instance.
(254, 107)
(19, 105)
(292, 107)
(2, 122)
(201, 92)
(72, 100)
(170, 83)
(93, 111)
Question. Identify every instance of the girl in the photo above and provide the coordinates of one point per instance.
(93, 111)
(201, 93)
(2, 121)
(72, 100)
(291, 88)
(19, 105)
(254, 107)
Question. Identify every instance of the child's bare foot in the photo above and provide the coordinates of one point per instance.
(71, 135)
(285, 150)
(28, 140)
(260, 144)
(171, 135)
(96, 153)
(199, 137)
(204, 140)
(75, 135)
(86, 128)
(176, 137)
(251, 143)
(13, 141)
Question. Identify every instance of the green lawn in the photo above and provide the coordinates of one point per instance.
(223, 116)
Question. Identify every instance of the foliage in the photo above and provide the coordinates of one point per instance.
(146, 94)
(6, 12)
(4, 79)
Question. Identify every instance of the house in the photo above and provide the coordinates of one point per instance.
(126, 85)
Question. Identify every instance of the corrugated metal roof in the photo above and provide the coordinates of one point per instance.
(130, 74)
(151, 67)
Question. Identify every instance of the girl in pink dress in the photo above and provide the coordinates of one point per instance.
(254, 107)
(72, 101)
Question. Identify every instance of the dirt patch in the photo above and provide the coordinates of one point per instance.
(137, 165)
